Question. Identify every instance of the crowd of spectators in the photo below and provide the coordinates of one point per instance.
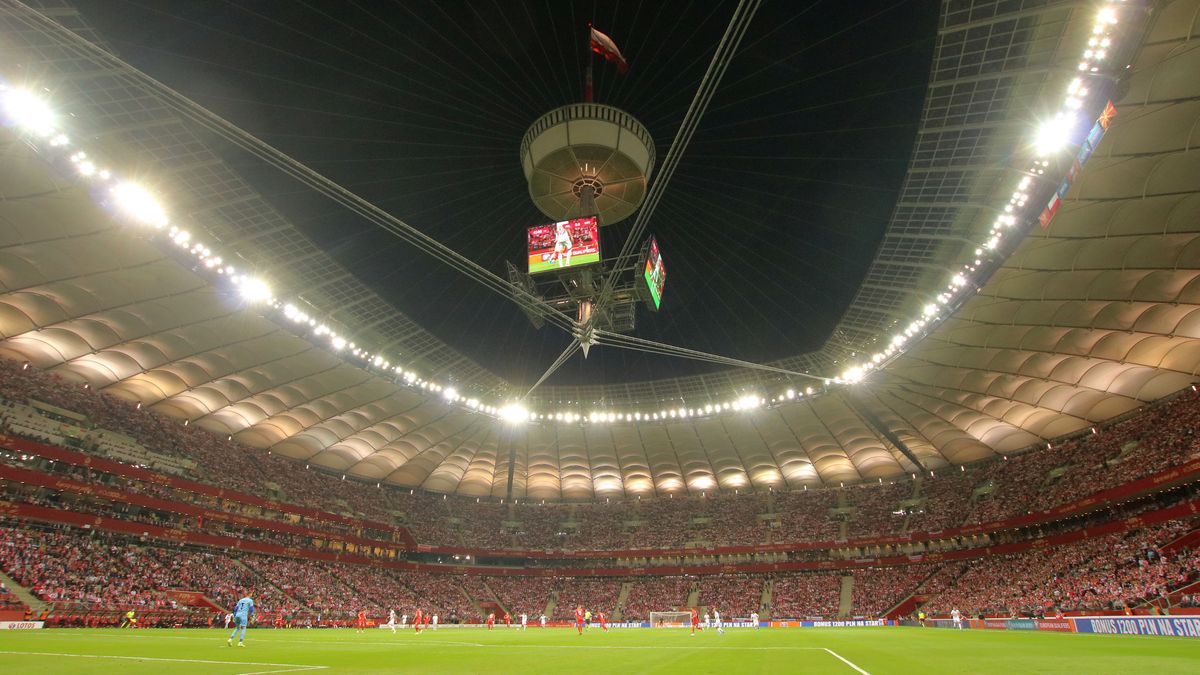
(89, 578)
(440, 594)
(528, 595)
(875, 591)
(655, 594)
(735, 595)
(1104, 573)
(806, 595)
(592, 594)
(1152, 440)
(8, 601)
(69, 571)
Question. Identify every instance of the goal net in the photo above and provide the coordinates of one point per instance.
(670, 619)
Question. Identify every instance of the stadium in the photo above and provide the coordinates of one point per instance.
(467, 337)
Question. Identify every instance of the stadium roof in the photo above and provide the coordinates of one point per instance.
(1085, 321)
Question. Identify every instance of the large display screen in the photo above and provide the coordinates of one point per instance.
(570, 243)
(655, 274)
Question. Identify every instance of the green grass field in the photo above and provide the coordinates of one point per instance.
(561, 651)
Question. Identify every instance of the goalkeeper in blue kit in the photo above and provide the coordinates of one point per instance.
(242, 612)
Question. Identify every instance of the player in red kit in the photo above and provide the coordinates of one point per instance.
(507, 620)
(579, 619)
(695, 621)
(428, 617)
(491, 620)
(362, 620)
(603, 621)
(417, 620)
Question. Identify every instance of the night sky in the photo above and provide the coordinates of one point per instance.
(767, 226)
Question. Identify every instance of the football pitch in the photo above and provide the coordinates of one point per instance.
(625, 651)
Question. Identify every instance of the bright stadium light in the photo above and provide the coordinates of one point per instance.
(137, 203)
(29, 112)
(254, 289)
(1053, 134)
(514, 413)
(450, 393)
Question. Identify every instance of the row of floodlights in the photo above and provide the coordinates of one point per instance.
(1051, 137)
(32, 114)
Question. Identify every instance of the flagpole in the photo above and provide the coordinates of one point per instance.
(587, 84)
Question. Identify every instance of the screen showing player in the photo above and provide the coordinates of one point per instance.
(655, 273)
(570, 243)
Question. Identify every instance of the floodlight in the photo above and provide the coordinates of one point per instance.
(1053, 134)
(514, 413)
(254, 289)
(139, 204)
(29, 112)
(747, 402)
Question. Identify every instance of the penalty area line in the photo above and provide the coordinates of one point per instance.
(279, 667)
(843, 660)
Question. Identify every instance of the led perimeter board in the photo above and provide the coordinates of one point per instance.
(655, 275)
(558, 246)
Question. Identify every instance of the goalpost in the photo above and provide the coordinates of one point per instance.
(670, 619)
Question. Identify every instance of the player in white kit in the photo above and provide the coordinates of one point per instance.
(562, 244)
(228, 619)
(524, 620)
(754, 619)
(543, 620)
(403, 619)
(957, 617)
(392, 620)
(717, 622)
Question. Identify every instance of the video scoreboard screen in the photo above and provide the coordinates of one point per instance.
(655, 274)
(562, 245)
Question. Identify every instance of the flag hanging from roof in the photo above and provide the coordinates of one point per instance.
(1110, 111)
(604, 46)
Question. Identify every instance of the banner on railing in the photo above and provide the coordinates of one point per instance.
(848, 623)
(1169, 626)
(21, 625)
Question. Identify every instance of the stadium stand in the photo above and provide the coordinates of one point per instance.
(805, 595)
(656, 594)
(65, 566)
(993, 491)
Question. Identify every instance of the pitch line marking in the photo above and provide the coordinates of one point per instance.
(284, 667)
(839, 658)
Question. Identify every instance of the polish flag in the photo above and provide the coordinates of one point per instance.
(604, 46)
